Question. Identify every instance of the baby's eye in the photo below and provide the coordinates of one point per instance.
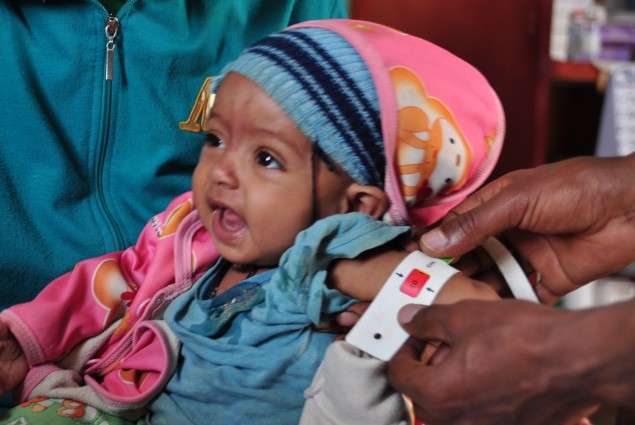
(214, 141)
(267, 160)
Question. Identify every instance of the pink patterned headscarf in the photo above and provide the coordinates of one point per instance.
(442, 123)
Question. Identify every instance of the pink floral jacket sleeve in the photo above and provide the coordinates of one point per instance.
(99, 319)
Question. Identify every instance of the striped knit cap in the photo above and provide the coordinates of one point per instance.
(393, 110)
(323, 84)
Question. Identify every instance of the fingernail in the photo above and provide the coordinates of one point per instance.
(407, 312)
(347, 318)
(434, 240)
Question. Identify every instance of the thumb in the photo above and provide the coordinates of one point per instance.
(467, 229)
(454, 237)
(423, 322)
(489, 211)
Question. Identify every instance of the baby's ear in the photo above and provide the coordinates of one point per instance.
(369, 200)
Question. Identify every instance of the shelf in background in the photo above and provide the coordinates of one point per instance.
(580, 72)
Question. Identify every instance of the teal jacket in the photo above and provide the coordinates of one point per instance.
(86, 160)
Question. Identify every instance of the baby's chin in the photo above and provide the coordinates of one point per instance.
(241, 262)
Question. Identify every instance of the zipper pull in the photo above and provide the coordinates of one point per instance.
(112, 28)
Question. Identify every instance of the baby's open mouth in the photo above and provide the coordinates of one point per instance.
(229, 220)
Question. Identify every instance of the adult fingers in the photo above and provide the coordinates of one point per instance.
(424, 323)
(467, 230)
(420, 382)
(474, 262)
(449, 323)
(406, 372)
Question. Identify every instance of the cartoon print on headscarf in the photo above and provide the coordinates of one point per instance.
(369, 27)
(110, 289)
(433, 157)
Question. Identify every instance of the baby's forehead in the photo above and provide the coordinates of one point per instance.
(238, 94)
(323, 84)
(243, 110)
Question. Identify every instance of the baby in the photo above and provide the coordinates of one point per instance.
(324, 142)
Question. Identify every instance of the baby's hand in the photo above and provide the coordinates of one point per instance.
(13, 364)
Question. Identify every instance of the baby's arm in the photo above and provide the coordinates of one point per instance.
(13, 364)
(351, 387)
(364, 276)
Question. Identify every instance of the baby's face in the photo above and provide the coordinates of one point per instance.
(252, 184)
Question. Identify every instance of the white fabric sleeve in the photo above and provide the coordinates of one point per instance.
(350, 388)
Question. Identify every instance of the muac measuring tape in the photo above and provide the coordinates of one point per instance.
(417, 280)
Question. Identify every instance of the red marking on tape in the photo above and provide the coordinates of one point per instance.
(414, 283)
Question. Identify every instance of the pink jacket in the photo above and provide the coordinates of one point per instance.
(93, 334)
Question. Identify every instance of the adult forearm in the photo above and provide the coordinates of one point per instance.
(606, 353)
(588, 356)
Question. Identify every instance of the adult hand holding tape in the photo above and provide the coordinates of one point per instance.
(517, 362)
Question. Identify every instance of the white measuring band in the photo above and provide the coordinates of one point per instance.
(511, 270)
(416, 280)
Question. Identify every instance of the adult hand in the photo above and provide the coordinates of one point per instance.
(13, 364)
(514, 362)
(573, 221)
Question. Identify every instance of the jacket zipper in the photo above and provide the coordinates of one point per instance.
(111, 31)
